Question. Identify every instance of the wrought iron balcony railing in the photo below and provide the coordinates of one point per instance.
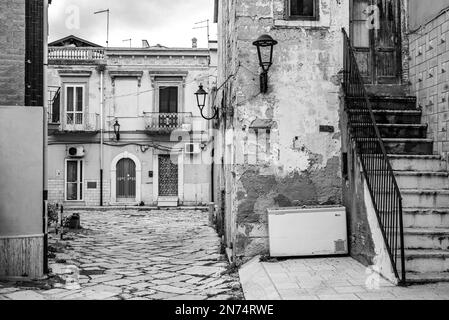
(80, 122)
(77, 54)
(167, 122)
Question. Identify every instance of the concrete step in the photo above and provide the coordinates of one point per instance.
(393, 116)
(422, 180)
(427, 261)
(426, 238)
(428, 277)
(426, 218)
(409, 146)
(418, 198)
(417, 131)
(431, 163)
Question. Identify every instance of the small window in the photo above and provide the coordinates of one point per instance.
(303, 9)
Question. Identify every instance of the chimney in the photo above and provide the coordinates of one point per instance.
(145, 44)
(194, 43)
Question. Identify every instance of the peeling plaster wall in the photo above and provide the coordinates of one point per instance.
(300, 166)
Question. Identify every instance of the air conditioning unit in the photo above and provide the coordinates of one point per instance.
(76, 152)
(192, 148)
(314, 231)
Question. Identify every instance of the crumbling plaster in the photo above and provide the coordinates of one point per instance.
(303, 165)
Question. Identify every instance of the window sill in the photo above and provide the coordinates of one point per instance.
(311, 24)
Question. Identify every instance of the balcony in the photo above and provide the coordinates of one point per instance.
(75, 123)
(78, 55)
(165, 123)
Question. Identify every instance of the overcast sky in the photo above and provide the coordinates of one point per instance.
(166, 22)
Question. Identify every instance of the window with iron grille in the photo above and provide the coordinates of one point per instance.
(303, 9)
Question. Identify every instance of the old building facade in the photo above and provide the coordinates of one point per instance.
(282, 148)
(148, 146)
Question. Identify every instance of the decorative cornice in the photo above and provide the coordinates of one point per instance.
(168, 73)
(129, 74)
(75, 73)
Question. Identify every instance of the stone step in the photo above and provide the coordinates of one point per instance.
(409, 146)
(428, 277)
(431, 163)
(426, 218)
(385, 103)
(427, 261)
(413, 198)
(393, 116)
(426, 238)
(388, 90)
(416, 131)
(422, 180)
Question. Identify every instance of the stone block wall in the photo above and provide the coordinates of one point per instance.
(429, 69)
(56, 191)
(12, 52)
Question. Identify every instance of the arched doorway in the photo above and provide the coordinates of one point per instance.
(126, 181)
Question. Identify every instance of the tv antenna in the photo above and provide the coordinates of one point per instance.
(107, 30)
(130, 42)
(204, 24)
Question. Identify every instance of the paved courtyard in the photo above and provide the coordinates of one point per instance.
(157, 255)
(327, 279)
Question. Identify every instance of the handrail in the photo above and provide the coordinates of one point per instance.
(377, 169)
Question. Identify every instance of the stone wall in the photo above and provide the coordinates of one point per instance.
(274, 151)
(429, 68)
(12, 52)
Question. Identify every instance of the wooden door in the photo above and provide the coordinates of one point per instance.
(376, 38)
(126, 180)
(168, 177)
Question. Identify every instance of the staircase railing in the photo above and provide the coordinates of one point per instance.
(377, 170)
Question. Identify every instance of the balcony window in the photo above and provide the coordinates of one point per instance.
(168, 100)
(74, 105)
(303, 9)
(168, 107)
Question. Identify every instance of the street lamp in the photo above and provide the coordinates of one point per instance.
(117, 130)
(265, 44)
(201, 95)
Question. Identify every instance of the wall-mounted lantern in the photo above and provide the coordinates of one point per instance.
(265, 44)
(201, 96)
(117, 130)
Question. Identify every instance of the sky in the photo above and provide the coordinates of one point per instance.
(166, 22)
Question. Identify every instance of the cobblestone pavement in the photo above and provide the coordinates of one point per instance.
(126, 255)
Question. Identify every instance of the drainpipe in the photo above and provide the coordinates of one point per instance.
(101, 133)
(45, 136)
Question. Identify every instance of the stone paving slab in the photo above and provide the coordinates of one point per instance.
(121, 255)
(327, 279)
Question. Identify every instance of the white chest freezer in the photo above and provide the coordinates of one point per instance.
(314, 231)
